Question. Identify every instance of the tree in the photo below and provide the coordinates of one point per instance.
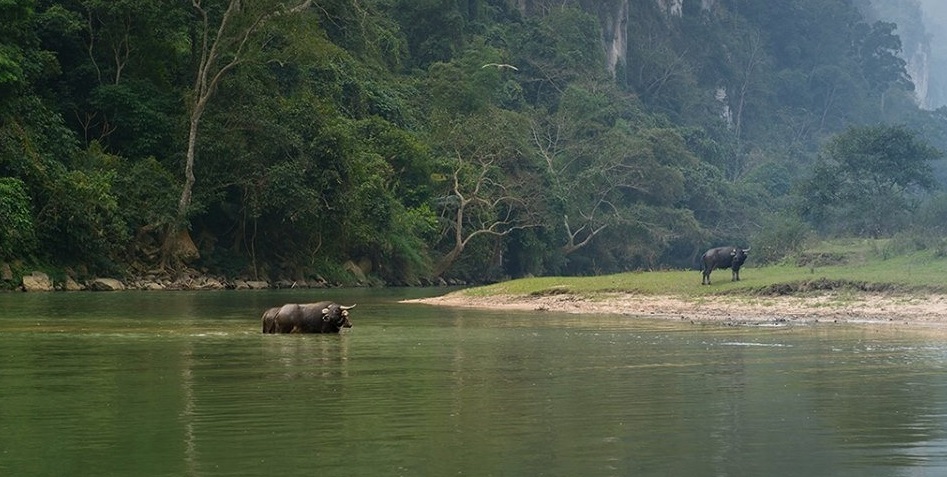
(221, 44)
(123, 63)
(877, 49)
(749, 68)
(562, 47)
(567, 141)
(15, 40)
(865, 178)
(18, 236)
(606, 169)
(433, 29)
(491, 189)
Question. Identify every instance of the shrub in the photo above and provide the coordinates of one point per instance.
(778, 238)
(17, 237)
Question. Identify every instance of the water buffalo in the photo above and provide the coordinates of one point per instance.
(322, 317)
(722, 257)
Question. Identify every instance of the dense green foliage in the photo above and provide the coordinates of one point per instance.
(478, 139)
(862, 181)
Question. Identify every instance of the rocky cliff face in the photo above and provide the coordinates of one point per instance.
(935, 23)
(675, 8)
(919, 67)
(613, 15)
(672, 8)
(614, 19)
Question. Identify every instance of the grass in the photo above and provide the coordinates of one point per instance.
(852, 266)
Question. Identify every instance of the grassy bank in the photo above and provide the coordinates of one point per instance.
(856, 265)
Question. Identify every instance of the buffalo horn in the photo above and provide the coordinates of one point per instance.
(343, 307)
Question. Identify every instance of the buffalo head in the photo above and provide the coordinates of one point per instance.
(337, 315)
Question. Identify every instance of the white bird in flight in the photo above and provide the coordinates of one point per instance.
(500, 66)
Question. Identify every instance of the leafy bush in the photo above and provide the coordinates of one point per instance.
(778, 238)
(865, 181)
(18, 236)
(82, 221)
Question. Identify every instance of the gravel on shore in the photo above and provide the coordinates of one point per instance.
(868, 308)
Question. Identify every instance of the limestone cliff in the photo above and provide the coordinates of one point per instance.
(613, 16)
(912, 19)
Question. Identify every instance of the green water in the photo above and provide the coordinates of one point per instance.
(184, 384)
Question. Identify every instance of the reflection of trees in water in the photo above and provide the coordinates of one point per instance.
(728, 416)
(188, 411)
(283, 360)
(302, 356)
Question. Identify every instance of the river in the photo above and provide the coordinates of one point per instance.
(184, 384)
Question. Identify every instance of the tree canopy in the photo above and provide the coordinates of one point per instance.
(868, 179)
(475, 140)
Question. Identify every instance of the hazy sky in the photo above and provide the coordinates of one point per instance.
(935, 19)
(935, 22)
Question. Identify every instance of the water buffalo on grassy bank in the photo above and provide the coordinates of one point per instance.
(321, 317)
(722, 257)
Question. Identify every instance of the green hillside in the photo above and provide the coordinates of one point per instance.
(470, 140)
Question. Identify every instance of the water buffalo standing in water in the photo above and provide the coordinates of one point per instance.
(321, 317)
(722, 257)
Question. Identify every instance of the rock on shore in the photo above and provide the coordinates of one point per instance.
(38, 281)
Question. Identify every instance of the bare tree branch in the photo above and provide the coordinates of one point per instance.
(478, 204)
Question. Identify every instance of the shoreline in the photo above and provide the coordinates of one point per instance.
(928, 310)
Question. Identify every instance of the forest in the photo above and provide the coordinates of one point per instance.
(471, 140)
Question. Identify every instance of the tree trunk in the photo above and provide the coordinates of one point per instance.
(214, 45)
(172, 252)
(448, 260)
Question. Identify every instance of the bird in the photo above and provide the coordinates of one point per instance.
(500, 66)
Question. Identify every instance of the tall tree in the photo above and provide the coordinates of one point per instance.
(572, 141)
(865, 178)
(492, 189)
(878, 50)
(222, 42)
(123, 59)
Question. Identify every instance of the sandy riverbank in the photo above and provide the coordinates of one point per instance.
(926, 310)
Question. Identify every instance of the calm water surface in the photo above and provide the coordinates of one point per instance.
(184, 384)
